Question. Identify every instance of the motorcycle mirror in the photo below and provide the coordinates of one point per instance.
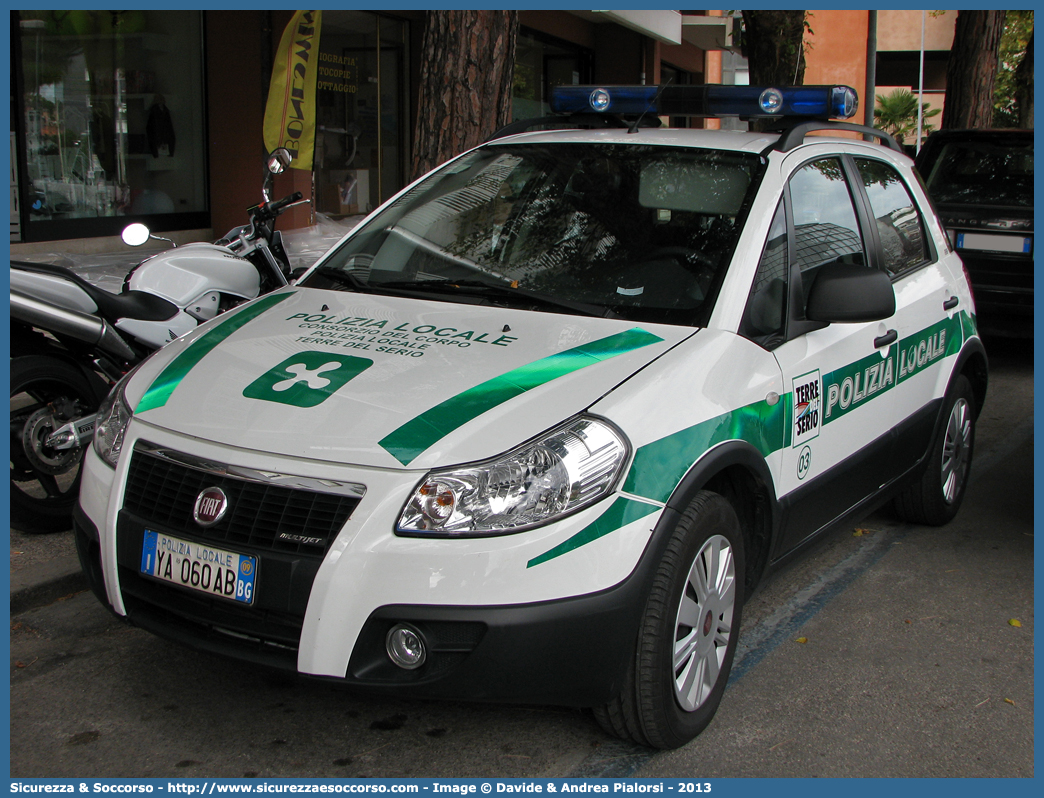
(279, 160)
(134, 235)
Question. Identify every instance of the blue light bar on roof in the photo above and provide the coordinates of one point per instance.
(809, 102)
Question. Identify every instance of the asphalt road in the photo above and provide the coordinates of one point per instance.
(890, 650)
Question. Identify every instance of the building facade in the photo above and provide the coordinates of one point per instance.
(157, 115)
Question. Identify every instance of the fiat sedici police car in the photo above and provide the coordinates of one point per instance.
(537, 426)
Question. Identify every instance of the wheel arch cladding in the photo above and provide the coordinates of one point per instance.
(974, 365)
(737, 471)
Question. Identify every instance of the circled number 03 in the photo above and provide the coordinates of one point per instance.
(804, 462)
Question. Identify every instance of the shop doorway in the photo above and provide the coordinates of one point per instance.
(361, 119)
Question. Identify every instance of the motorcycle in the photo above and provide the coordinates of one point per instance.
(71, 341)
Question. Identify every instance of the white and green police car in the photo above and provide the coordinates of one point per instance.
(537, 426)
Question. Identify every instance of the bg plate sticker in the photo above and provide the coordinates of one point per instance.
(808, 407)
(307, 378)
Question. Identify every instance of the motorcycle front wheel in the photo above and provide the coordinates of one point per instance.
(46, 392)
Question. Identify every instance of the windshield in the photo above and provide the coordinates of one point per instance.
(993, 171)
(629, 231)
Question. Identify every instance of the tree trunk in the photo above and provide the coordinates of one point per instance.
(1024, 86)
(972, 70)
(774, 44)
(468, 66)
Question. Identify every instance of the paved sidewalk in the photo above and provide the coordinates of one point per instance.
(44, 568)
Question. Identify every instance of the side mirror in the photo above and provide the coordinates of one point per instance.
(277, 163)
(847, 293)
(134, 235)
(279, 160)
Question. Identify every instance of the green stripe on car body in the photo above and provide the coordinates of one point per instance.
(620, 513)
(970, 324)
(407, 442)
(660, 465)
(169, 379)
(849, 387)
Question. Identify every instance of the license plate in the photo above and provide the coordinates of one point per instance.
(200, 567)
(995, 243)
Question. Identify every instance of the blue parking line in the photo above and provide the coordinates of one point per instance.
(757, 643)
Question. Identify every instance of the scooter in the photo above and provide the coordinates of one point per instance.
(71, 341)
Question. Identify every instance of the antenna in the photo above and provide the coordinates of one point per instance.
(634, 127)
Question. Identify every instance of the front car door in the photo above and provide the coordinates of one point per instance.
(836, 375)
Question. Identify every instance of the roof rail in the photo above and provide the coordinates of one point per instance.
(559, 122)
(794, 136)
(791, 136)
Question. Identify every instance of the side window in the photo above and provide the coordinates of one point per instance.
(825, 226)
(899, 223)
(765, 318)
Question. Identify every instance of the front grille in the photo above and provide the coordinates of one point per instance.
(288, 528)
(265, 517)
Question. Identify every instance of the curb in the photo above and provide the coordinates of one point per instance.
(37, 585)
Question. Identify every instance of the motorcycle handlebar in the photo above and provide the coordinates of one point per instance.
(279, 205)
(267, 211)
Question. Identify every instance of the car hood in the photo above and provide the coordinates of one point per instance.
(385, 381)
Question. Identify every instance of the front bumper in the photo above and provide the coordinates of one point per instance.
(570, 652)
(561, 632)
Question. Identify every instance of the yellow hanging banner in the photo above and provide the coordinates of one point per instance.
(290, 112)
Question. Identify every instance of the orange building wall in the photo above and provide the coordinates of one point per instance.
(901, 30)
(835, 51)
(838, 48)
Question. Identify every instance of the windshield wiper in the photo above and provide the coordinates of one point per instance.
(344, 278)
(466, 287)
(481, 288)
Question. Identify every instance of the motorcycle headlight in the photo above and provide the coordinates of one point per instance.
(564, 470)
(113, 417)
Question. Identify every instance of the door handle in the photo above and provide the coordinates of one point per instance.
(884, 340)
(951, 303)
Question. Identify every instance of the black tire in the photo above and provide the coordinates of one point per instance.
(656, 708)
(936, 496)
(45, 393)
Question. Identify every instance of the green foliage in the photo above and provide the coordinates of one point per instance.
(1018, 28)
(896, 114)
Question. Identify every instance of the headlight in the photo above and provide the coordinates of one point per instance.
(113, 417)
(560, 472)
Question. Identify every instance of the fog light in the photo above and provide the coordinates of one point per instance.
(405, 647)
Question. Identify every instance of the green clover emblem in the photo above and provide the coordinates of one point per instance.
(307, 378)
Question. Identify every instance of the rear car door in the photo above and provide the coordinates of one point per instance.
(933, 311)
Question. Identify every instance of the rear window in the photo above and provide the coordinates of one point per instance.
(994, 171)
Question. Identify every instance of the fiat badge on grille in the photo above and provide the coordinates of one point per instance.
(210, 508)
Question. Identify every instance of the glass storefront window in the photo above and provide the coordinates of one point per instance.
(361, 119)
(112, 121)
(539, 65)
